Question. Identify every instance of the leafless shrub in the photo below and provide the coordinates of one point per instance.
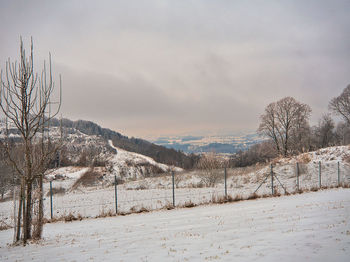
(104, 213)
(188, 204)
(210, 164)
(253, 196)
(168, 206)
(120, 181)
(276, 192)
(262, 152)
(89, 178)
(4, 226)
(57, 191)
(218, 199)
(200, 184)
(314, 189)
(138, 209)
(91, 156)
(150, 170)
(178, 178)
(304, 158)
(346, 185)
(66, 218)
(234, 199)
(71, 217)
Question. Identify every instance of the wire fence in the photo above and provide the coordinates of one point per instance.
(185, 190)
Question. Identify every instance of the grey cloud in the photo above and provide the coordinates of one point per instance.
(149, 67)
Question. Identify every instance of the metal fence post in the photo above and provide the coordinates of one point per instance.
(338, 174)
(272, 190)
(298, 171)
(173, 179)
(116, 194)
(319, 174)
(51, 206)
(14, 213)
(225, 183)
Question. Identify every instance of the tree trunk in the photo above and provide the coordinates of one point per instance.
(39, 221)
(28, 218)
(24, 213)
(19, 218)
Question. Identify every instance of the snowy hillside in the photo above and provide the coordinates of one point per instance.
(129, 165)
(125, 165)
(308, 227)
(96, 196)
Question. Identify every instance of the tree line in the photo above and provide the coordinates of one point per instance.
(286, 124)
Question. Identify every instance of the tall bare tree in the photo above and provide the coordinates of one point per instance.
(285, 122)
(26, 102)
(340, 105)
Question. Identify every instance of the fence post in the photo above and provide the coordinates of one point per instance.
(319, 174)
(272, 190)
(51, 206)
(298, 177)
(225, 183)
(338, 174)
(173, 179)
(14, 213)
(116, 194)
(21, 200)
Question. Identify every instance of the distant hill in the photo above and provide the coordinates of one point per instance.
(227, 144)
(159, 153)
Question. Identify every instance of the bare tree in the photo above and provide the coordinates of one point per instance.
(25, 98)
(342, 133)
(340, 105)
(286, 123)
(324, 134)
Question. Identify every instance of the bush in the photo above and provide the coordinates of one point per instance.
(57, 191)
(210, 164)
(259, 153)
(89, 178)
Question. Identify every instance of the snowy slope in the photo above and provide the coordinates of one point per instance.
(156, 192)
(125, 165)
(308, 227)
(130, 165)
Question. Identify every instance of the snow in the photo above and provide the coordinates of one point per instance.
(133, 161)
(305, 227)
(156, 192)
(310, 225)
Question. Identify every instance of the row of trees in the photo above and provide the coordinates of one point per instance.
(286, 123)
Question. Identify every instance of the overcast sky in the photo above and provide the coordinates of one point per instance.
(156, 67)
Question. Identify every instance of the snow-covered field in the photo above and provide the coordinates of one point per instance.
(305, 227)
